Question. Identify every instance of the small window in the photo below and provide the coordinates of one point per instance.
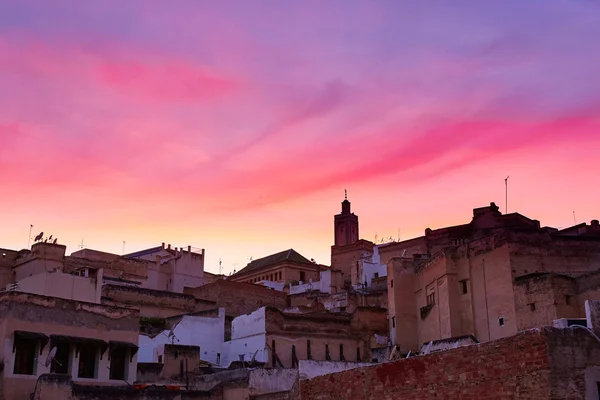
(87, 361)
(119, 364)
(358, 354)
(342, 309)
(568, 300)
(302, 276)
(218, 358)
(532, 306)
(279, 275)
(391, 283)
(464, 286)
(160, 359)
(327, 356)
(294, 358)
(376, 275)
(25, 350)
(431, 299)
(501, 321)
(393, 322)
(342, 358)
(308, 354)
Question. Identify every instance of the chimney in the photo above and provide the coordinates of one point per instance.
(169, 247)
(595, 222)
(189, 249)
(163, 245)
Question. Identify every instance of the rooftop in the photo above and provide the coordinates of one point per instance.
(289, 255)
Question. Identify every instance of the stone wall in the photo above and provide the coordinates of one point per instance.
(239, 298)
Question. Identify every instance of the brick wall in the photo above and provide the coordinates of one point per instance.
(511, 368)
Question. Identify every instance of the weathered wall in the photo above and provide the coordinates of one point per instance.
(152, 303)
(65, 286)
(52, 316)
(490, 371)
(309, 369)
(239, 298)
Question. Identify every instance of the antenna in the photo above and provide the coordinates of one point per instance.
(50, 357)
(29, 240)
(345, 194)
(123, 248)
(220, 266)
(506, 195)
(574, 219)
(398, 234)
(81, 245)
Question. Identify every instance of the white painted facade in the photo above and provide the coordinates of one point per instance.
(206, 332)
(323, 284)
(368, 269)
(248, 339)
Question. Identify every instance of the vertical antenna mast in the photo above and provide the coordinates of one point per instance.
(123, 252)
(506, 195)
(574, 219)
(29, 240)
(219, 266)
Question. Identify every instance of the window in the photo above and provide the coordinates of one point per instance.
(358, 354)
(25, 350)
(393, 322)
(327, 356)
(118, 364)
(376, 275)
(160, 359)
(532, 306)
(279, 275)
(60, 364)
(464, 286)
(308, 355)
(302, 276)
(273, 354)
(87, 361)
(568, 300)
(431, 299)
(294, 358)
(218, 358)
(342, 309)
(501, 321)
(342, 358)
(392, 283)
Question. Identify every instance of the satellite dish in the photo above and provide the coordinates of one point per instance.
(50, 357)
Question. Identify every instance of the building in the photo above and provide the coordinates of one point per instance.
(94, 344)
(158, 268)
(287, 267)
(490, 278)
(280, 339)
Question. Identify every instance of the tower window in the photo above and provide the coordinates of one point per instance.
(393, 322)
(342, 358)
(464, 286)
(501, 321)
(302, 276)
(431, 299)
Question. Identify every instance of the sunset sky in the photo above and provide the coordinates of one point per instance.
(235, 126)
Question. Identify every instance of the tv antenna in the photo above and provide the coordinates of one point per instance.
(506, 195)
(220, 263)
(81, 245)
(50, 357)
(574, 219)
(29, 240)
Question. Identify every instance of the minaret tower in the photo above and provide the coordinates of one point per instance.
(345, 225)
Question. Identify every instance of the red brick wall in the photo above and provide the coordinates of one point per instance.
(512, 368)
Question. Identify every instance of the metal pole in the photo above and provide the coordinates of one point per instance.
(29, 240)
(506, 195)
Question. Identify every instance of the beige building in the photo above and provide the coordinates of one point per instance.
(490, 278)
(94, 344)
(284, 267)
(158, 268)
